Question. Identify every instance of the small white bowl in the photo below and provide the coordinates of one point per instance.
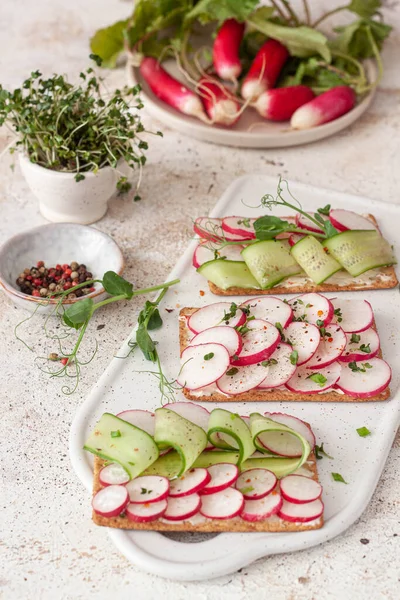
(57, 243)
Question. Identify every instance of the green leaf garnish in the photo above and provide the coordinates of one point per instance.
(209, 356)
(270, 361)
(338, 477)
(246, 490)
(365, 348)
(116, 434)
(320, 452)
(363, 431)
(355, 338)
(357, 369)
(245, 223)
(115, 285)
(318, 378)
(325, 210)
(232, 371)
(294, 357)
(338, 313)
(78, 313)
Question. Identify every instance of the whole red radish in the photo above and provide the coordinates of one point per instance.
(170, 90)
(264, 70)
(219, 104)
(226, 50)
(324, 108)
(280, 103)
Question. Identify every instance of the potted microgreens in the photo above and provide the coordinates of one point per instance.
(77, 143)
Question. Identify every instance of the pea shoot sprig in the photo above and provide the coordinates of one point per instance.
(77, 317)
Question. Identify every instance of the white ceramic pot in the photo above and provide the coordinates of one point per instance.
(62, 199)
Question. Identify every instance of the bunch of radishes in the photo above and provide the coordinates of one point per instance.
(215, 103)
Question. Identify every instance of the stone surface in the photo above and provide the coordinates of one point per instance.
(49, 547)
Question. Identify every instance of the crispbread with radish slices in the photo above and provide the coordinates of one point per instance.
(319, 375)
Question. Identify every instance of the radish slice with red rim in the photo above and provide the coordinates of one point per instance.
(203, 254)
(295, 424)
(353, 316)
(361, 346)
(111, 501)
(330, 348)
(294, 238)
(192, 412)
(222, 475)
(269, 309)
(259, 510)
(301, 513)
(209, 228)
(113, 474)
(226, 504)
(202, 365)
(312, 308)
(239, 226)
(299, 489)
(281, 443)
(304, 338)
(213, 315)
(256, 483)
(308, 381)
(364, 379)
(238, 380)
(280, 369)
(259, 342)
(182, 507)
(147, 489)
(344, 220)
(146, 512)
(143, 419)
(304, 223)
(227, 336)
(190, 483)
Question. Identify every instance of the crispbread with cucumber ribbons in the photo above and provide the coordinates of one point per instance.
(328, 251)
(183, 468)
(267, 348)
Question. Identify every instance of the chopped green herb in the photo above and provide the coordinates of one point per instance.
(245, 222)
(298, 301)
(246, 310)
(320, 452)
(338, 477)
(363, 431)
(320, 323)
(246, 490)
(356, 369)
(294, 357)
(325, 210)
(270, 361)
(365, 348)
(243, 329)
(231, 313)
(318, 378)
(232, 371)
(145, 491)
(280, 329)
(116, 434)
(338, 313)
(355, 338)
(209, 356)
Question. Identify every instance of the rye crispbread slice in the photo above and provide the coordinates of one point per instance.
(386, 278)
(272, 524)
(274, 395)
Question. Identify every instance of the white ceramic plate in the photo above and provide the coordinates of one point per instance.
(360, 460)
(251, 131)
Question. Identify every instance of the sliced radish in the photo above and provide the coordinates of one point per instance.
(312, 308)
(368, 340)
(301, 513)
(242, 379)
(191, 482)
(344, 220)
(113, 474)
(143, 419)
(330, 348)
(258, 343)
(203, 254)
(299, 489)
(209, 228)
(147, 489)
(258, 510)
(213, 315)
(182, 507)
(226, 504)
(304, 338)
(110, 501)
(270, 309)
(202, 365)
(295, 424)
(294, 238)
(281, 371)
(256, 483)
(281, 443)
(192, 412)
(304, 223)
(301, 381)
(222, 476)
(143, 513)
(239, 226)
(353, 316)
(227, 336)
(371, 380)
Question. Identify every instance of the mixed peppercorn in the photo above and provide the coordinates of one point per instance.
(42, 282)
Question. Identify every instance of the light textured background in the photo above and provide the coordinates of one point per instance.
(49, 547)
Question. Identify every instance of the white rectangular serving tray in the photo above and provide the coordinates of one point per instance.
(189, 557)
